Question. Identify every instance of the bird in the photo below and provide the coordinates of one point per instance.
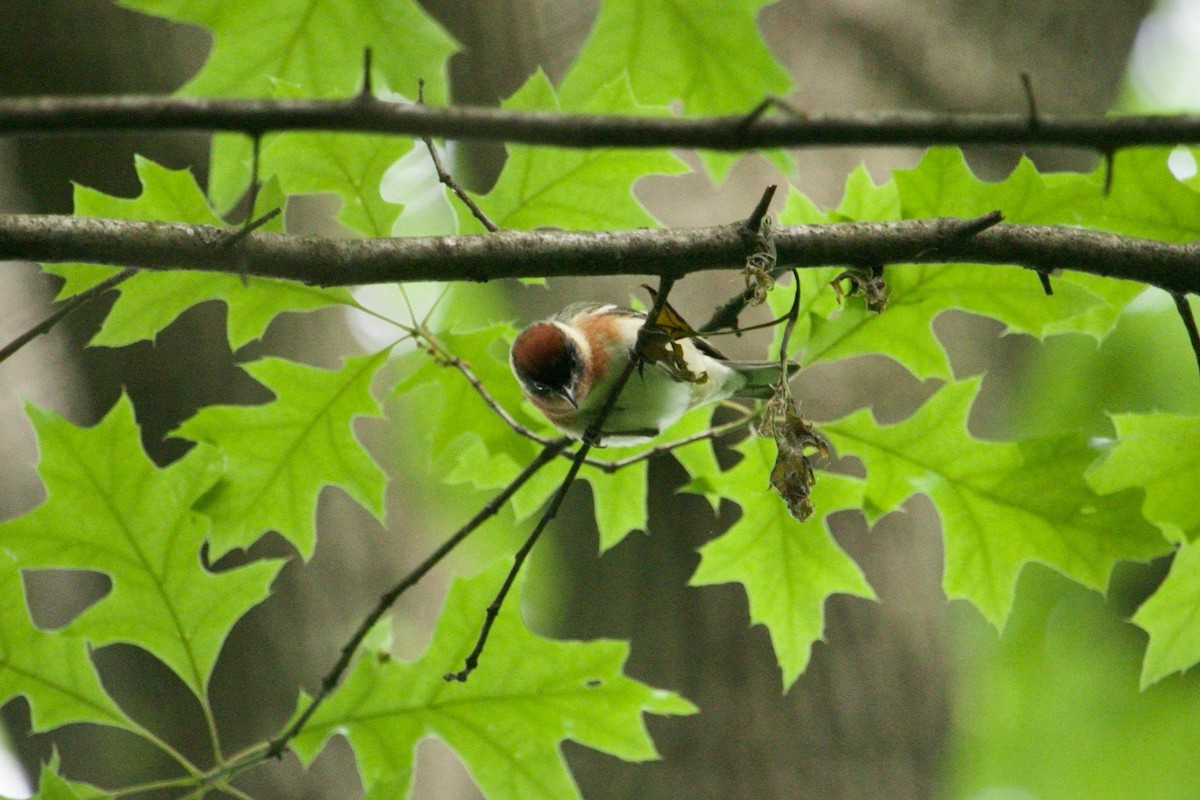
(566, 364)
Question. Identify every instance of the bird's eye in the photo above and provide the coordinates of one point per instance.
(540, 389)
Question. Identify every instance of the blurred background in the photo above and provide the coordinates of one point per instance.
(910, 697)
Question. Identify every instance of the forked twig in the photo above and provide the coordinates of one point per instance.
(334, 676)
(72, 305)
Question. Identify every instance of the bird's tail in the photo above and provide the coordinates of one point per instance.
(761, 377)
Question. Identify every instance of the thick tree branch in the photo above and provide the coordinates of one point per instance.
(60, 115)
(519, 254)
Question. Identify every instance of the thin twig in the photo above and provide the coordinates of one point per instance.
(446, 178)
(250, 227)
(70, 306)
(1044, 277)
(1030, 101)
(754, 222)
(334, 676)
(255, 154)
(765, 105)
(715, 432)
(792, 317)
(492, 403)
(726, 316)
(115, 114)
(590, 437)
(1189, 322)
(367, 93)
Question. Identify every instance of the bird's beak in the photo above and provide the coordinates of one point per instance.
(569, 396)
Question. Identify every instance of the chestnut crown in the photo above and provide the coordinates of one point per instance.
(546, 361)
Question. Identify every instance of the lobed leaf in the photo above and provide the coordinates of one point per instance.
(788, 567)
(307, 48)
(111, 510)
(52, 669)
(151, 300)
(1002, 504)
(281, 454)
(572, 189)
(1159, 453)
(1169, 616)
(708, 54)
(507, 722)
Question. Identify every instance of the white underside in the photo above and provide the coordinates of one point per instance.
(654, 400)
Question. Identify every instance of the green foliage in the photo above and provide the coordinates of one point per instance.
(584, 189)
(51, 670)
(288, 449)
(1002, 504)
(149, 301)
(109, 509)
(788, 569)
(307, 48)
(506, 723)
(1056, 499)
(704, 53)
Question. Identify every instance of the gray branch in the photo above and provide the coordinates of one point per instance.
(524, 254)
(62, 115)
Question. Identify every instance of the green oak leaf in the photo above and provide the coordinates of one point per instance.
(942, 185)
(110, 509)
(708, 54)
(350, 165)
(1146, 200)
(1002, 504)
(151, 300)
(572, 189)
(311, 48)
(863, 201)
(52, 669)
(508, 720)
(788, 568)
(918, 293)
(1159, 453)
(316, 44)
(52, 786)
(280, 455)
(1169, 616)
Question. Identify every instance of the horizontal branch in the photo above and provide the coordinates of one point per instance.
(61, 115)
(525, 254)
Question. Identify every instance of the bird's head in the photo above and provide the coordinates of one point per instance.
(549, 366)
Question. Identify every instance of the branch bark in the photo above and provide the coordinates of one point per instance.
(523, 254)
(56, 116)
